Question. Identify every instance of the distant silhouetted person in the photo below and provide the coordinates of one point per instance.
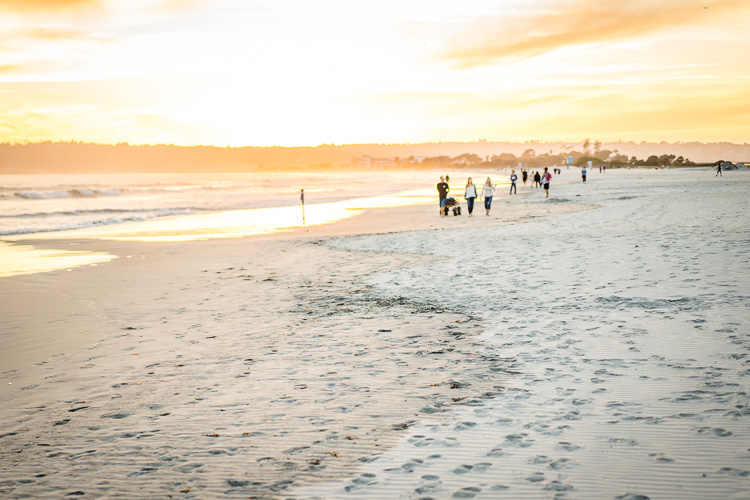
(537, 179)
(718, 170)
(524, 176)
(302, 199)
(583, 174)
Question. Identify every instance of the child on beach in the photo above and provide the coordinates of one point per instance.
(488, 189)
(583, 174)
(470, 194)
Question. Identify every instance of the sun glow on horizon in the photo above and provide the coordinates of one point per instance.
(295, 73)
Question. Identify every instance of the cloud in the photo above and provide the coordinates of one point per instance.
(46, 5)
(64, 33)
(577, 22)
(171, 5)
(9, 68)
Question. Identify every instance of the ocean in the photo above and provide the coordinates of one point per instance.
(44, 203)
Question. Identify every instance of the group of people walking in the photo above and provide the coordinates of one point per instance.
(470, 194)
(540, 180)
(488, 190)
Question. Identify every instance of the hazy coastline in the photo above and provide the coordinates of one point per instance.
(51, 158)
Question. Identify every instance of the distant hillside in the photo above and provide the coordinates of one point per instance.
(89, 158)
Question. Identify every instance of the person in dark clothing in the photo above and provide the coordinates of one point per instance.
(524, 176)
(537, 179)
(442, 189)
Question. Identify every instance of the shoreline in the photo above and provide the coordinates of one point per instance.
(19, 258)
(371, 221)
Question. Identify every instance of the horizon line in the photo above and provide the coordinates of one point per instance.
(476, 141)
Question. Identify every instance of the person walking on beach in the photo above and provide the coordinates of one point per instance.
(302, 199)
(442, 188)
(546, 177)
(513, 179)
(718, 170)
(524, 176)
(537, 180)
(488, 189)
(470, 195)
(583, 174)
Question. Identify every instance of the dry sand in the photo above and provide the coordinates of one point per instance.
(552, 350)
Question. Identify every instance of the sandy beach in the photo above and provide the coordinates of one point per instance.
(592, 345)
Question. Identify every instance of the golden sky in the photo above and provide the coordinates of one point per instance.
(301, 72)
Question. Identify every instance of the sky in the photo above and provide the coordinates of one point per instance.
(304, 73)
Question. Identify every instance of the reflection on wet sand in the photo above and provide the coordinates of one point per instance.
(25, 259)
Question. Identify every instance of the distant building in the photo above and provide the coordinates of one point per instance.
(370, 162)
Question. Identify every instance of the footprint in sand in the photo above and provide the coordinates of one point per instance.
(469, 492)
(497, 451)
(716, 432)
(535, 477)
(559, 464)
(362, 481)
(568, 446)
(421, 441)
(558, 486)
(408, 466)
(462, 469)
(519, 440)
(734, 472)
(428, 484)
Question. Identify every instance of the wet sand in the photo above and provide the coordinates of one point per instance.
(589, 346)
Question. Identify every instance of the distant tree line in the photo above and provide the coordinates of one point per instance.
(530, 159)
